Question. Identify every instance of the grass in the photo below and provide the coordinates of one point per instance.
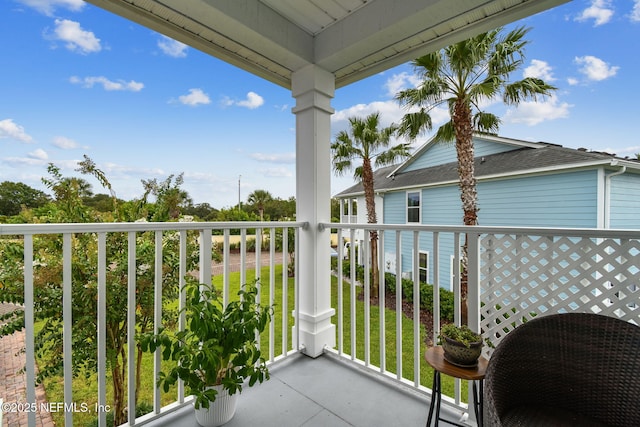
(85, 387)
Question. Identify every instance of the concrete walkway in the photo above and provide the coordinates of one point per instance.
(13, 390)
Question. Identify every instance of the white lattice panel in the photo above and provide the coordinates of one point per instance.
(526, 276)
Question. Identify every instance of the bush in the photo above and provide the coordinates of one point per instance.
(346, 270)
(426, 295)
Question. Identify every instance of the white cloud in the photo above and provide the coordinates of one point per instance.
(38, 154)
(539, 69)
(276, 172)
(124, 170)
(252, 101)
(195, 97)
(48, 7)
(401, 81)
(77, 39)
(531, 112)
(89, 82)
(10, 129)
(390, 112)
(572, 81)
(634, 16)
(24, 161)
(274, 158)
(64, 143)
(172, 47)
(600, 11)
(595, 68)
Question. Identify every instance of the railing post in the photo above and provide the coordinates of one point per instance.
(30, 368)
(473, 297)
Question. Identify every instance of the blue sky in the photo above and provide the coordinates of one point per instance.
(78, 80)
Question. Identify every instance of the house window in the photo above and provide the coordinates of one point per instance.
(423, 267)
(413, 206)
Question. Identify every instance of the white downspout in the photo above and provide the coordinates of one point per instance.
(607, 192)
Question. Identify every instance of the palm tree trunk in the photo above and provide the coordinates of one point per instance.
(468, 192)
(367, 183)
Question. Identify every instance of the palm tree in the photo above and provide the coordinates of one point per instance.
(464, 75)
(366, 144)
(260, 198)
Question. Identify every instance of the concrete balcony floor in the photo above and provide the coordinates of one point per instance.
(322, 392)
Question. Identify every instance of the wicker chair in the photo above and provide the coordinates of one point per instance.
(572, 369)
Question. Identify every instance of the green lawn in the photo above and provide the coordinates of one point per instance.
(85, 387)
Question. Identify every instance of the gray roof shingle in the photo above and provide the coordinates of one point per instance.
(516, 161)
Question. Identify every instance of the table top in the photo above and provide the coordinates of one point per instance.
(435, 358)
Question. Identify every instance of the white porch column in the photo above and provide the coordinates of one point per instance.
(313, 88)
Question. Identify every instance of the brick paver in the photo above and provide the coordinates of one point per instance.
(13, 382)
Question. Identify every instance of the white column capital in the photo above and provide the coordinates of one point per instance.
(313, 87)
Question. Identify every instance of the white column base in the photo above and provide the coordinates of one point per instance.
(316, 333)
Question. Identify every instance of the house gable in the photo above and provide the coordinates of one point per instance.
(438, 153)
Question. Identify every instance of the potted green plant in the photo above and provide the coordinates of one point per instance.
(461, 345)
(216, 352)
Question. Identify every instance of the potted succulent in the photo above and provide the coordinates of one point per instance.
(461, 345)
(216, 352)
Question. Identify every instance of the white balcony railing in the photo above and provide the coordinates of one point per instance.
(279, 239)
(513, 274)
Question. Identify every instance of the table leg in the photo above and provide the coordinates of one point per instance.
(481, 419)
(477, 401)
(435, 399)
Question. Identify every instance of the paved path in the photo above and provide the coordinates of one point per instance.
(250, 262)
(13, 388)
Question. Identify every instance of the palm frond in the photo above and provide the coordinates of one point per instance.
(364, 141)
(486, 122)
(527, 88)
(414, 124)
(393, 154)
(445, 133)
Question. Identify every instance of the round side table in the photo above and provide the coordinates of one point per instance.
(435, 358)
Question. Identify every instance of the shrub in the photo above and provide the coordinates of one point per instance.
(426, 295)
(346, 270)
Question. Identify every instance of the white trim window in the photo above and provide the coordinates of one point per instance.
(413, 206)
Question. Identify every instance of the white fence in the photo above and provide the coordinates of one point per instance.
(513, 275)
(129, 236)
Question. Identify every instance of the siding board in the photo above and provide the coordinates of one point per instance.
(625, 201)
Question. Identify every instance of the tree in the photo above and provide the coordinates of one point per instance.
(81, 186)
(47, 276)
(204, 211)
(462, 76)
(259, 198)
(366, 144)
(169, 197)
(14, 195)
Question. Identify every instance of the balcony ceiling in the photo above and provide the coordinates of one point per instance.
(352, 39)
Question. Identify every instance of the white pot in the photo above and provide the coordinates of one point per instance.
(220, 411)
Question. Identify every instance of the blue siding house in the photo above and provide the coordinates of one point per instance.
(520, 183)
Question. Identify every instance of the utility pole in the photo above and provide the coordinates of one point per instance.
(239, 202)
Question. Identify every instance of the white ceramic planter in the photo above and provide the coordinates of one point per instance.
(220, 411)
